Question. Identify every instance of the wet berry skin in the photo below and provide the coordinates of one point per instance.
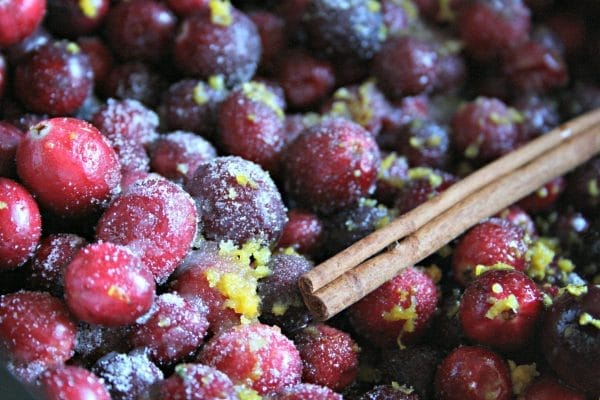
(331, 165)
(303, 232)
(106, 284)
(18, 19)
(20, 224)
(548, 387)
(10, 136)
(54, 79)
(69, 166)
(197, 382)
(472, 372)
(70, 382)
(36, 327)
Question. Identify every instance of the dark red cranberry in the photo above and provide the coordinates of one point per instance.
(95, 341)
(581, 97)
(472, 372)
(587, 253)
(353, 28)
(10, 137)
(273, 35)
(127, 376)
(254, 354)
(303, 232)
(55, 78)
(519, 217)
(489, 27)
(331, 165)
(488, 243)
(237, 200)
(69, 382)
(540, 115)
(192, 105)
(393, 174)
(16, 52)
(251, 125)
(398, 312)
(545, 197)
(36, 327)
(423, 184)
(305, 79)
(72, 18)
(173, 330)
(197, 382)
(437, 11)
(185, 7)
(405, 66)
(583, 187)
(485, 129)
(140, 30)
(69, 166)
(156, 219)
(451, 68)
(177, 155)
(222, 41)
(18, 19)
(100, 56)
(55, 252)
(571, 338)
(500, 308)
(570, 27)
(3, 75)
(398, 16)
(390, 392)
(425, 143)
(134, 81)
(107, 284)
(306, 391)
(549, 388)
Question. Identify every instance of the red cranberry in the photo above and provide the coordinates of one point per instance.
(133, 81)
(540, 115)
(140, 30)
(3, 75)
(306, 391)
(174, 329)
(36, 327)
(18, 19)
(423, 184)
(197, 382)
(583, 187)
(549, 388)
(72, 18)
(545, 197)
(255, 354)
(390, 392)
(106, 284)
(303, 232)
(156, 219)
(424, 143)
(393, 174)
(519, 217)
(69, 166)
(10, 137)
(70, 382)
(331, 165)
(273, 36)
(20, 224)
(398, 16)
(16, 53)
(95, 341)
(100, 56)
(398, 312)
(222, 41)
(471, 372)
(185, 7)
(55, 78)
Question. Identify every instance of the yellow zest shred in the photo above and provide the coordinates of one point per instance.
(587, 319)
(522, 376)
(435, 180)
(199, 94)
(480, 269)
(540, 255)
(576, 290)
(259, 92)
(499, 306)
(220, 12)
(244, 180)
(89, 8)
(217, 82)
(3, 205)
(118, 293)
(592, 188)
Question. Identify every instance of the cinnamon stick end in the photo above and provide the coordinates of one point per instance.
(316, 306)
(306, 285)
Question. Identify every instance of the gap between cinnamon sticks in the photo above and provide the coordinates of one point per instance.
(406, 224)
(580, 142)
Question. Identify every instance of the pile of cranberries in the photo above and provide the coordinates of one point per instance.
(170, 168)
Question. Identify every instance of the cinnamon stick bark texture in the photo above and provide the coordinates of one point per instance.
(579, 141)
(406, 224)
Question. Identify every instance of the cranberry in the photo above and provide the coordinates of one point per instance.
(223, 41)
(185, 7)
(17, 52)
(156, 219)
(36, 327)
(393, 174)
(583, 186)
(133, 81)
(95, 341)
(424, 143)
(398, 312)
(390, 392)
(100, 56)
(69, 166)
(55, 78)
(307, 391)
(106, 284)
(140, 30)
(10, 137)
(273, 35)
(519, 217)
(398, 16)
(423, 184)
(540, 115)
(549, 388)
(174, 329)
(255, 354)
(3, 75)
(72, 18)
(303, 232)
(20, 224)
(197, 382)
(545, 197)
(331, 165)
(237, 200)
(18, 19)
(69, 382)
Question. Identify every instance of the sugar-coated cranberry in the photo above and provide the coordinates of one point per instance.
(99, 54)
(177, 155)
(398, 16)
(197, 382)
(329, 356)
(545, 197)
(570, 337)
(36, 327)
(107, 284)
(127, 376)
(399, 311)
(423, 184)
(540, 115)
(16, 52)
(133, 81)
(549, 388)
(69, 166)
(472, 372)
(331, 165)
(237, 200)
(424, 143)
(439, 12)
(10, 137)
(390, 392)
(95, 341)
(519, 217)
(251, 125)
(20, 224)
(490, 242)
(306, 391)
(393, 174)
(581, 97)
(174, 329)
(72, 18)
(156, 219)
(140, 29)
(254, 354)
(18, 19)
(488, 27)
(55, 78)
(303, 232)
(353, 28)
(273, 35)
(583, 187)
(69, 382)
(185, 7)
(223, 41)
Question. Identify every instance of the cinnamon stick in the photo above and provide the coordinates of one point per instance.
(580, 146)
(407, 223)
